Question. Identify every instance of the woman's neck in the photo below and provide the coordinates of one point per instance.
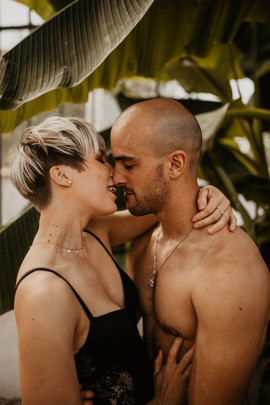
(61, 228)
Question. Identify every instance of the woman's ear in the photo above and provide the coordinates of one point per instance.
(177, 161)
(60, 176)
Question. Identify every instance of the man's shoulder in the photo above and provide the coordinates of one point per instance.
(234, 260)
(226, 247)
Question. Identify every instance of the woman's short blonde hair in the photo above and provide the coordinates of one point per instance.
(57, 140)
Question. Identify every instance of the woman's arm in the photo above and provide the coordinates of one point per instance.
(45, 337)
(122, 226)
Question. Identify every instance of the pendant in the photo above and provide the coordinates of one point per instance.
(152, 282)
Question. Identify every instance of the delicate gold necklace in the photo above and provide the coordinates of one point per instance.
(152, 281)
(69, 250)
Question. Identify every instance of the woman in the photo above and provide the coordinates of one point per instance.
(75, 308)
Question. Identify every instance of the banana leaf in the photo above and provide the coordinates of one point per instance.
(167, 31)
(15, 239)
(66, 49)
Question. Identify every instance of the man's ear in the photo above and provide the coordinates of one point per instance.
(177, 162)
(60, 175)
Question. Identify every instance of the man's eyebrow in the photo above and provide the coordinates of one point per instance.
(125, 157)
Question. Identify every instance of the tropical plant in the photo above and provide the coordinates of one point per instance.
(203, 44)
(202, 57)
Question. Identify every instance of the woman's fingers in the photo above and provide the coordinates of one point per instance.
(187, 372)
(233, 222)
(186, 361)
(158, 362)
(86, 396)
(202, 198)
(218, 219)
(174, 351)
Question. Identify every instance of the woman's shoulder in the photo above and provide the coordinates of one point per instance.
(44, 290)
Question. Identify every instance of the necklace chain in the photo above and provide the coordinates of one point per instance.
(69, 250)
(152, 281)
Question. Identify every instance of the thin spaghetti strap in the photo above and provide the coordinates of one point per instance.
(102, 244)
(86, 310)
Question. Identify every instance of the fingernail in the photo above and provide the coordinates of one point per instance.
(210, 230)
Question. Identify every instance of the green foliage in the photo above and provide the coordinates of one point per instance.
(169, 31)
(15, 239)
(202, 44)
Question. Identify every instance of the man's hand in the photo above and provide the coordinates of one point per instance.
(171, 378)
(215, 209)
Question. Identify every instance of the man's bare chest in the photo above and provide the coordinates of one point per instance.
(167, 305)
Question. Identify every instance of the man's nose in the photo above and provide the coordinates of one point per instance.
(118, 178)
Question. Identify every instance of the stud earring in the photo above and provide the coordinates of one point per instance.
(68, 181)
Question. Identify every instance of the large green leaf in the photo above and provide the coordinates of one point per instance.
(207, 75)
(15, 239)
(167, 31)
(66, 49)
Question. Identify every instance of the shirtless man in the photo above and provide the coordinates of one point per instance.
(213, 291)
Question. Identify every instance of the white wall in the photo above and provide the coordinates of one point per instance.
(9, 364)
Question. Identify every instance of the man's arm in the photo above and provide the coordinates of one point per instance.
(232, 307)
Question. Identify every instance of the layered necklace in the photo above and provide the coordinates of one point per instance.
(152, 281)
(69, 250)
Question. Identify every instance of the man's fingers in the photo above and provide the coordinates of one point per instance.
(158, 362)
(174, 350)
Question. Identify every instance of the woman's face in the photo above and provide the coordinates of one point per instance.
(94, 188)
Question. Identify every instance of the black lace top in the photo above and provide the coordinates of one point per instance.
(113, 362)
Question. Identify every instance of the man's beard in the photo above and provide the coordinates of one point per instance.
(155, 197)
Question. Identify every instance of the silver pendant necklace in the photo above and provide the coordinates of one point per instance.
(152, 281)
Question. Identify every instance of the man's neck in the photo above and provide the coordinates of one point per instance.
(176, 218)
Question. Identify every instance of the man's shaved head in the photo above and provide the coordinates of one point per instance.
(167, 125)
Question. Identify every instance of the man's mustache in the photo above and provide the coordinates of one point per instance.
(125, 189)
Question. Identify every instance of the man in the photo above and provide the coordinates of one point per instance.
(210, 290)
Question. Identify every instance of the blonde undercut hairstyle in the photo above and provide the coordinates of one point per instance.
(57, 140)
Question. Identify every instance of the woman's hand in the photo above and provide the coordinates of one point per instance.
(215, 209)
(86, 396)
(171, 378)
